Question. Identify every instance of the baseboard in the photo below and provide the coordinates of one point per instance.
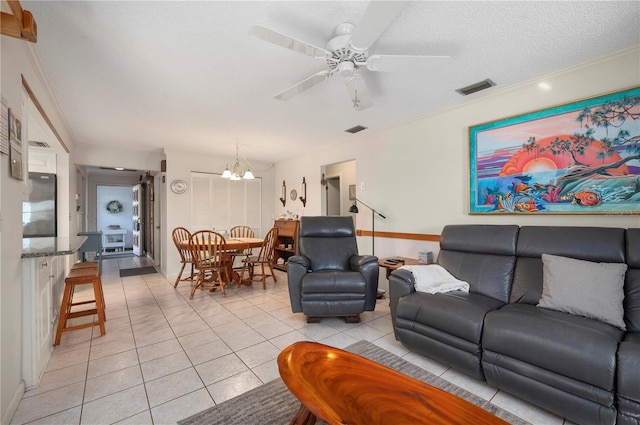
(13, 405)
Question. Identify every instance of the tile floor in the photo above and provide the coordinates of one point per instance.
(166, 357)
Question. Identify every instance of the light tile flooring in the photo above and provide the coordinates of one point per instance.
(166, 357)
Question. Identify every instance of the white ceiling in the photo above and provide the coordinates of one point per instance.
(185, 75)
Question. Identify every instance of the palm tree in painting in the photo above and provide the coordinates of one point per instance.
(610, 116)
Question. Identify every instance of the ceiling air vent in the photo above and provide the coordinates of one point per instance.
(485, 84)
(36, 144)
(355, 129)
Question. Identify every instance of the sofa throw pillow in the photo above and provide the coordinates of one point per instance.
(584, 288)
(434, 279)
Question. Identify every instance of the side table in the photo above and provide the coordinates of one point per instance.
(382, 262)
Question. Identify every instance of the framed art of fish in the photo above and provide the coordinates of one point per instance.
(579, 158)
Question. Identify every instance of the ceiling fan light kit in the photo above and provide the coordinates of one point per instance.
(348, 51)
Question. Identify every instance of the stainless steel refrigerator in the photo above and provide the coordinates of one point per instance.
(39, 213)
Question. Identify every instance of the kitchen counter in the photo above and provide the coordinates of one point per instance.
(44, 264)
(50, 247)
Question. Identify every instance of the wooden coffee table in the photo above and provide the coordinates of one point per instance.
(343, 388)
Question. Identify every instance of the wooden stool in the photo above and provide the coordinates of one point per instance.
(82, 276)
(94, 265)
(85, 265)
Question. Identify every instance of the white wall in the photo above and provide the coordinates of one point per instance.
(18, 61)
(176, 207)
(100, 156)
(432, 154)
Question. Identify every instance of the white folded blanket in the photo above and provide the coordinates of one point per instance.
(433, 279)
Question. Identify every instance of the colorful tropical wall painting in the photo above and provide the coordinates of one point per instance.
(582, 157)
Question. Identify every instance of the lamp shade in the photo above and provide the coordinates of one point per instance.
(354, 208)
(236, 172)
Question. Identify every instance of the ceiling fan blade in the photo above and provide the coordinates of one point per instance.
(402, 63)
(304, 85)
(376, 19)
(358, 92)
(287, 42)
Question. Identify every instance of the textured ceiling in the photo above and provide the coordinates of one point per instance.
(185, 75)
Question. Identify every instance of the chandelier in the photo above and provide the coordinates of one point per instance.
(236, 172)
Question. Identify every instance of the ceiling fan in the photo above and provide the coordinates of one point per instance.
(348, 52)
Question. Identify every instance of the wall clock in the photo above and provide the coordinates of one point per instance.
(179, 186)
(293, 195)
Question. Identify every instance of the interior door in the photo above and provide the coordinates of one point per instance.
(333, 196)
(149, 217)
(138, 217)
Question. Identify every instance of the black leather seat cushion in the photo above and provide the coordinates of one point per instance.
(455, 313)
(333, 293)
(327, 282)
(573, 346)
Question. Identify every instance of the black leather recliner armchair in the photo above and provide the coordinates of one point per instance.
(328, 277)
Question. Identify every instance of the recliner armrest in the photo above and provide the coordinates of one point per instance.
(367, 265)
(297, 267)
(401, 283)
(299, 260)
(357, 261)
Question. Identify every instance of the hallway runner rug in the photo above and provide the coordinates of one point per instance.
(137, 271)
(273, 404)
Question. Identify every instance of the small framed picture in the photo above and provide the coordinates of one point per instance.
(15, 130)
(352, 192)
(15, 150)
(15, 158)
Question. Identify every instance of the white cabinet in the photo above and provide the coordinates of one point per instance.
(43, 280)
(113, 240)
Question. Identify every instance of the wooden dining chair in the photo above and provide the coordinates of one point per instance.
(211, 260)
(180, 234)
(264, 258)
(242, 232)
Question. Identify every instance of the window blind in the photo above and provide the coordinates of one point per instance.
(219, 204)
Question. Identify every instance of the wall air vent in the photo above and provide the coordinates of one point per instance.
(36, 144)
(355, 129)
(485, 84)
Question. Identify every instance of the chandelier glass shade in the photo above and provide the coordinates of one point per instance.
(236, 173)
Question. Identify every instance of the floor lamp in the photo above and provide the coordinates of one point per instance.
(354, 209)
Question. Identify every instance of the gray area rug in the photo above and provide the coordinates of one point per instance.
(273, 404)
(137, 271)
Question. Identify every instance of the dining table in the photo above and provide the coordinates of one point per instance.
(234, 245)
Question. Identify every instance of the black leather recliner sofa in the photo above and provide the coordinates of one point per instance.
(328, 277)
(628, 371)
(580, 368)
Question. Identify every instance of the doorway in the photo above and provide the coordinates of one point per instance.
(333, 196)
(114, 209)
(92, 206)
(336, 179)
